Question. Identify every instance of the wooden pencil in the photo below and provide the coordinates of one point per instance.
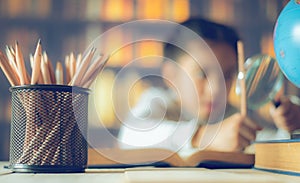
(242, 78)
(96, 63)
(78, 60)
(45, 72)
(8, 71)
(12, 62)
(59, 74)
(50, 68)
(37, 58)
(82, 68)
(72, 65)
(67, 66)
(40, 79)
(12, 50)
(24, 77)
(31, 60)
(11, 58)
(94, 70)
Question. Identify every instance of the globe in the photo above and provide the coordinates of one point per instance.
(287, 41)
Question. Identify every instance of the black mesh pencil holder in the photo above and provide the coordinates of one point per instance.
(48, 129)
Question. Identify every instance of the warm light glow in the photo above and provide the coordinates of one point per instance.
(154, 9)
(106, 102)
(180, 10)
(16, 7)
(117, 10)
(27, 8)
(222, 11)
(123, 56)
(149, 48)
(267, 45)
(112, 46)
(103, 98)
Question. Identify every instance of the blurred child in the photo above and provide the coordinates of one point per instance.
(190, 112)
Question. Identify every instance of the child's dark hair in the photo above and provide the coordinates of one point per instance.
(207, 30)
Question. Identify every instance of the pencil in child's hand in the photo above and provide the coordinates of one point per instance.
(59, 76)
(242, 79)
(36, 69)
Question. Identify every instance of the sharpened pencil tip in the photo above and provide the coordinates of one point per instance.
(39, 41)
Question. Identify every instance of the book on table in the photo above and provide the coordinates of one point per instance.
(281, 156)
(121, 158)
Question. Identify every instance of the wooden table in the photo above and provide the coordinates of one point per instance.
(148, 174)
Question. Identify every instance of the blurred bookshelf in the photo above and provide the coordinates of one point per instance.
(66, 26)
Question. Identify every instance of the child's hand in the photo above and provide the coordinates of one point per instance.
(287, 115)
(233, 134)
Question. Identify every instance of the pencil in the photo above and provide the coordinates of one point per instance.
(8, 70)
(72, 65)
(12, 62)
(94, 70)
(24, 77)
(82, 68)
(50, 67)
(36, 64)
(241, 77)
(67, 65)
(78, 60)
(12, 50)
(31, 60)
(11, 57)
(45, 72)
(59, 74)
(40, 79)
(97, 62)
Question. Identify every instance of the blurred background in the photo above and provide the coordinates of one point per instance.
(66, 26)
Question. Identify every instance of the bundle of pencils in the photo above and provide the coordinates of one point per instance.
(51, 135)
(78, 71)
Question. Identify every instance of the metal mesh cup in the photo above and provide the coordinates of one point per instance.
(48, 129)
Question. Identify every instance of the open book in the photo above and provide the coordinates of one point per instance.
(164, 157)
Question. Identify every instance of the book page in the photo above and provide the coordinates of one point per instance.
(133, 156)
(191, 175)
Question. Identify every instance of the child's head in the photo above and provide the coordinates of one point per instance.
(222, 40)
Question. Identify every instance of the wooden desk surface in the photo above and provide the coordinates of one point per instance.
(148, 174)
